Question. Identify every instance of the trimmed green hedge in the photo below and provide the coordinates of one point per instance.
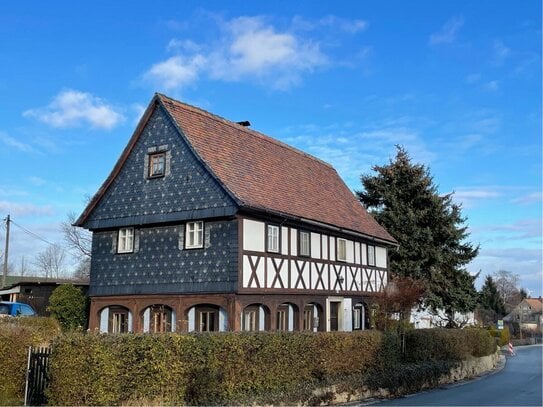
(243, 368)
(448, 344)
(16, 335)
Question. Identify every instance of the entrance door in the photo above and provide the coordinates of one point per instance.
(334, 316)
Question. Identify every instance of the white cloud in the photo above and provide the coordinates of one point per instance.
(528, 199)
(11, 142)
(333, 22)
(501, 52)
(24, 209)
(492, 86)
(469, 197)
(72, 108)
(447, 33)
(248, 49)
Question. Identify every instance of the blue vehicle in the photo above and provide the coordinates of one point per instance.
(16, 309)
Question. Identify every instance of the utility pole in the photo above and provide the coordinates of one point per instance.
(4, 276)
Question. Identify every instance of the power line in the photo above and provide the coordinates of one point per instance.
(36, 236)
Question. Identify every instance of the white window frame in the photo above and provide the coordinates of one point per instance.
(272, 239)
(341, 254)
(307, 245)
(125, 240)
(160, 157)
(194, 232)
(371, 258)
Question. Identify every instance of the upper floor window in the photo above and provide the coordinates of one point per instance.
(371, 255)
(157, 165)
(195, 235)
(305, 248)
(125, 242)
(273, 238)
(341, 249)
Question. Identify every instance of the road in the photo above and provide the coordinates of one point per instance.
(518, 384)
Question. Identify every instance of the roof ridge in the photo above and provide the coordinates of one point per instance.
(246, 130)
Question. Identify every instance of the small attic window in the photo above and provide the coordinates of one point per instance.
(157, 165)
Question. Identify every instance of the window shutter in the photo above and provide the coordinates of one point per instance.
(207, 236)
(136, 240)
(181, 244)
(114, 238)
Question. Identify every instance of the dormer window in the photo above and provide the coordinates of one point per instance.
(157, 165)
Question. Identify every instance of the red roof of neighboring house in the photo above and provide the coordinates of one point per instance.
(262, 173)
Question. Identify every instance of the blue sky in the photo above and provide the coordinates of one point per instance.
(457, 83)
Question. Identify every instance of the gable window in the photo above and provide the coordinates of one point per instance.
(125, 242)
(371, 255)
(273, 238)
(305, 248)
(157, 165)
(341, 249)
(195, 235)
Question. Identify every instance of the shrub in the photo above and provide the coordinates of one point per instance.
(245, 368)
(16, 335)
(448, 344)
(68, 305)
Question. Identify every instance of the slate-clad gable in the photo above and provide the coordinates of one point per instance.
(187, 191)
(160, 266)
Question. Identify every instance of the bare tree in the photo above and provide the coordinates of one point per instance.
(82, 271)
(76, 238)
(507, 284)
(51, 261)
(23, 266)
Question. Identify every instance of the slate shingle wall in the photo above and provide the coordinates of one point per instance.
(159, 265)
(187, 191)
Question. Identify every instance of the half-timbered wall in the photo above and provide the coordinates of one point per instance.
(318, 272)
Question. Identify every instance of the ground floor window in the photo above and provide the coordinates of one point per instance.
(308, 318)
(251, 319)
(208, 320)
(282, 318)
(118, 320)
(157, 319)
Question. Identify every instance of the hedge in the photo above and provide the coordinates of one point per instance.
(448, 344)
(245, 368)
(16, 335)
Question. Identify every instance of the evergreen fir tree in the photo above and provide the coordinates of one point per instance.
(490, 298)
(429, 229)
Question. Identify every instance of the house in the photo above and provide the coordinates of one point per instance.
(423, 318)
(207, 225)
(35, 291)
(527, 316)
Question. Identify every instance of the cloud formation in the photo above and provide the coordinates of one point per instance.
(447, 33)
(16, 144)
(249, 48)
(72, 108)
(24, 209)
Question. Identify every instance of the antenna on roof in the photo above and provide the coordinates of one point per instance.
(245, 123)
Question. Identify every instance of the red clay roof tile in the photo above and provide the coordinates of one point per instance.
(263, 173)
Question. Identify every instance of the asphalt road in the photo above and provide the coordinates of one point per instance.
(517, 384)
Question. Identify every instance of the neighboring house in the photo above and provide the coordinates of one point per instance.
(527, 315)
(206, 225)
(35, 291)
(424, 318)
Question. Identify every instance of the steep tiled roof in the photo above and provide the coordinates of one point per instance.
(265, 174)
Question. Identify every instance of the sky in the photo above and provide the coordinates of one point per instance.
(456, 83)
